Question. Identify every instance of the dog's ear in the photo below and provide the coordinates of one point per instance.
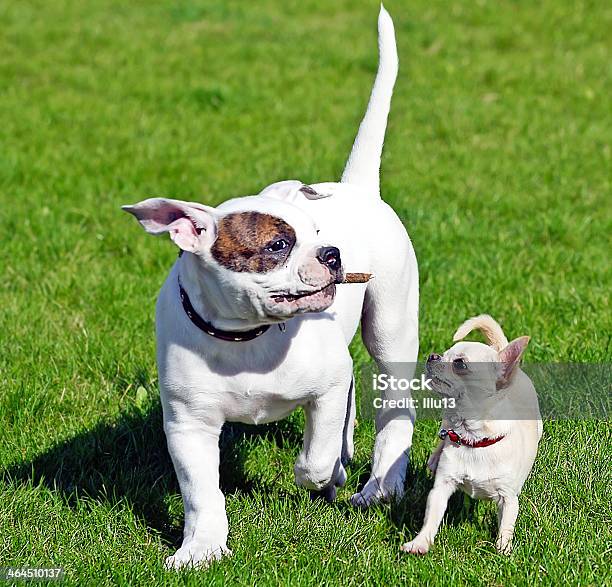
(509, 358)
(191, 226)
(291, 190)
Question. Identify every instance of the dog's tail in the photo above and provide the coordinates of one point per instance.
(490, 328)
(363, 165)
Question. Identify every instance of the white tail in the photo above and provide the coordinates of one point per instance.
(363, 165)
(490, 328)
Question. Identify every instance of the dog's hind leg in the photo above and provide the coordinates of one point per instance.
(348, 448)
(389, 328)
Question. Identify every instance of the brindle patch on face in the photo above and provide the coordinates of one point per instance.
(246, 241)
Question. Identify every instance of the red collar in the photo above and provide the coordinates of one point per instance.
(454, 437)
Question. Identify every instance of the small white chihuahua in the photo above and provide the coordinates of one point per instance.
(489, 439)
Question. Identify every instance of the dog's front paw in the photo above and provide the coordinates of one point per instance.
(375, 491)
(191, 555)
(420, 545)
(318, 477)
(329, 492)
(504, 544)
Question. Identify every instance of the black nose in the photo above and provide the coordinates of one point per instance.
(433, 357)
(330, 257)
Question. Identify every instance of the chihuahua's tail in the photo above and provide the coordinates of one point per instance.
(490, 328)
(363, 165)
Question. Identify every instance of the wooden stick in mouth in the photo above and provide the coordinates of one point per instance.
(357, 277)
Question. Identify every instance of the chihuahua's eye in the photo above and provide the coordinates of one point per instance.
(277, 246)
(459, 365)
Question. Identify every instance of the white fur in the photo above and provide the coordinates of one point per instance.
(206, 382)
(364, 162)
(483, 410)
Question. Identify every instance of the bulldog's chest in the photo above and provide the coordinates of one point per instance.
(254, 403)
(251, 384)
(248, 397)
(256, 399)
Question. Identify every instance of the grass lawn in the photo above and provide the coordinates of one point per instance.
(498, 161)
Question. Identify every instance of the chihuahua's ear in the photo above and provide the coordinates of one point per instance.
(192, 226)
(509, 358)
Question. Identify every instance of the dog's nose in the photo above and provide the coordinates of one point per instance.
(330, 257)
(433, 357)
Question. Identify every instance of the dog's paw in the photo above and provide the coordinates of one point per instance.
(374, 492)
(196, 555)
(365, 498)
(504, 545)
(318, 478)
(329, 492)
(419, 545)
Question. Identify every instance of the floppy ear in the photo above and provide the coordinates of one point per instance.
(509, 358)
(291, 190)
(191, 226)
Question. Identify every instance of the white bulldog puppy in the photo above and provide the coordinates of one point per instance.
(490, 431)
(251, 322)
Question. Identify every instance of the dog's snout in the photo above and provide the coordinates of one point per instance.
(433, 357)
(330, 257)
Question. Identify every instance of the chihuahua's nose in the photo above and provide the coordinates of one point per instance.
(330, 257)
(433, 357)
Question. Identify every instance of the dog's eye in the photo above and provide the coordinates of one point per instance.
(459, 365)
(279, 245)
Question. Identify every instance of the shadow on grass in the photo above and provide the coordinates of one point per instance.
(408, 513)
(128, 460)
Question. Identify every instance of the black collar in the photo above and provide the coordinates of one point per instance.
(236, 336)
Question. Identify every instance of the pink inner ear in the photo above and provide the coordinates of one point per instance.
(185, 221)
(184, 234)
(156, 214)
(510, 357)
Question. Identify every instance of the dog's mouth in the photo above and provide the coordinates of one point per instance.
(443, 388)
(308, 301)
(440, 385)
(439, 382)
(328, 290)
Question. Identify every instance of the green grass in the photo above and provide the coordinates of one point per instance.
(497, 159)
